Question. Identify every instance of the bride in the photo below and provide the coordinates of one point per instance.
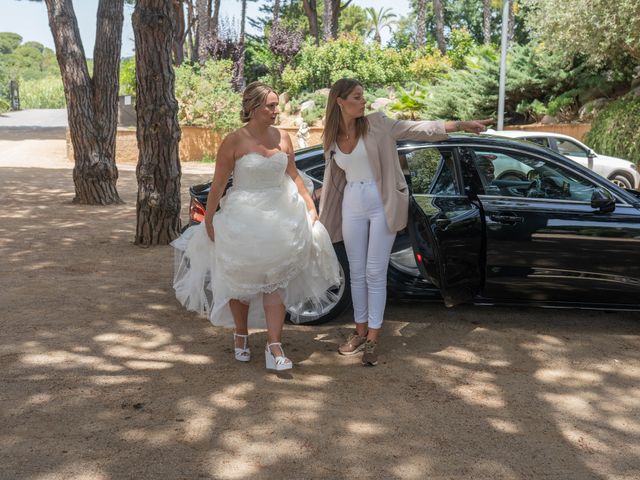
(263, 250)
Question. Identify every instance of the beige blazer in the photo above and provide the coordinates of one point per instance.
(380, 144)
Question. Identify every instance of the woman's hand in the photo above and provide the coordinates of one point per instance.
(477, 126)
(313, 215)
(470, 126)
(208, 225)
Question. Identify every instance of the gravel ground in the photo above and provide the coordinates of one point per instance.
(104, 376)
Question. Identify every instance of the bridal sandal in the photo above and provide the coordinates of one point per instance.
(242, 354)
(276, 362)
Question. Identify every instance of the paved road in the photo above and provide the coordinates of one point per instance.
(34, 118)
(37, 124)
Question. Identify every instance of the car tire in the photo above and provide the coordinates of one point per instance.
(343, 291)
(621, 180)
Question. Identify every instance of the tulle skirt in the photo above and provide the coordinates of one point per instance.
(264, 243)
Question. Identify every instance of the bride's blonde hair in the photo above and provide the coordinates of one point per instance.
(333, 118)
(254, 95)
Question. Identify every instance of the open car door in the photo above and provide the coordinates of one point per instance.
(445, 225)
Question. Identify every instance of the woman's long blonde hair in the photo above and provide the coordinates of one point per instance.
(333, 118)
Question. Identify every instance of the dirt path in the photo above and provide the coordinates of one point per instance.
(104, 376)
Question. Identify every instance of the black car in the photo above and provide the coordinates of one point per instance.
(497, 221)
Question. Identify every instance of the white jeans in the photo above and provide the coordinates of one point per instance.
(368, 242)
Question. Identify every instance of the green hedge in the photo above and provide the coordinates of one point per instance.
(616, 130)
(42, 93)
(205, 97)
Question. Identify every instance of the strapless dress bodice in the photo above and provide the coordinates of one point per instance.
(254, 171)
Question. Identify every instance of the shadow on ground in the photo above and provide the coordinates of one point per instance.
(104, 376)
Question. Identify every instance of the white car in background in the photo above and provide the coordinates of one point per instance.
(621, 172)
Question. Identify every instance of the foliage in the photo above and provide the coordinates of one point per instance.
(378, 20)
(9, 42)
(467, 14)
(205, 96)
(600, 32)
(318, 67)
(354, 20)
(534, 110)
(42, 93)
(35, 68)
(284, 43)
(616, 130)
(312, 115)
(409, 103)
(430, 67)
(564, 106)
(461, 44)
(472, 92)
(128, 76)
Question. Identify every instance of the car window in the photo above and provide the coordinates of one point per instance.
(567, 147)
(514, 174)
(432, 172)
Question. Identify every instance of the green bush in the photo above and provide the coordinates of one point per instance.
(4, 105)
(616, 130)
(205, 97)
(461, 44)
(42, 93)
(430, 67)
(128, 76)
(318, 67)
(472, 92)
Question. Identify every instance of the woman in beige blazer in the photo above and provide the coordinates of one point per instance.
(365, 198)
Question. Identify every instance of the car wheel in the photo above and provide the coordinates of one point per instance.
(339, 302)
(621, 180)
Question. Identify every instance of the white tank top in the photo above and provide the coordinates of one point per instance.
(355, 164)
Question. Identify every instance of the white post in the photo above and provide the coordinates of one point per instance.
(503, 63)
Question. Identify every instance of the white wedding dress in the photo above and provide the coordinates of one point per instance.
(264, 242)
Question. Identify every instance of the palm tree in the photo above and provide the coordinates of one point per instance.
(379, 20)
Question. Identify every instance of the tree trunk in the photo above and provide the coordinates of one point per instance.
(181, 33)
(421, 23)
(213, 25)
(311, 10)
(336, 10)
(203, 29)
(486, 21)
(326, 20)
(276, 11)
(92, 104)
(192, 44)
(238, 74)
(438, 12)
(158, 133)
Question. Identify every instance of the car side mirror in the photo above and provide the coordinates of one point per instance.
(602, 200)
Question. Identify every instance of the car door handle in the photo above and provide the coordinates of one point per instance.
(506, 218)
